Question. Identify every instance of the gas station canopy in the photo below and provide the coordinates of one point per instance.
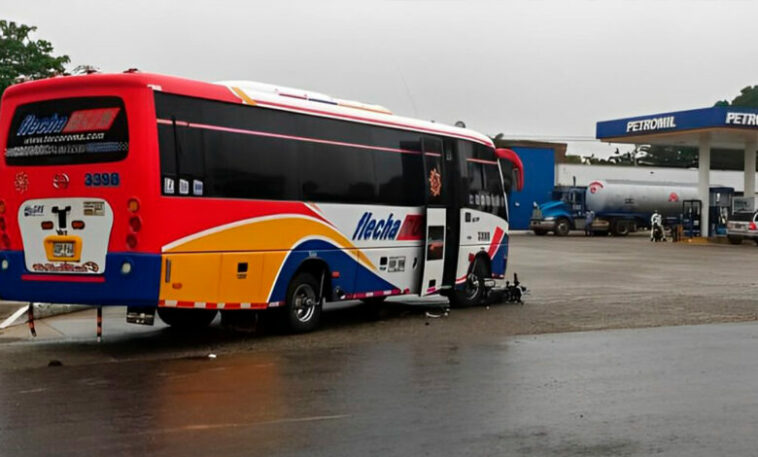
(718, 127)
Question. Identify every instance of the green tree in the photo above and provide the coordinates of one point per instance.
(748, 97)
(23, 57)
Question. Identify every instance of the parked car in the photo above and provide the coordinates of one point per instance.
(742, 226)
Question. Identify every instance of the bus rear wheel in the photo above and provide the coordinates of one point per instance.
(303, 305)
(187, 319)
(472, 293)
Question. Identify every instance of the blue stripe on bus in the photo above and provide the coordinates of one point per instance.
(138, 288)
(354, 277)
(500, 258)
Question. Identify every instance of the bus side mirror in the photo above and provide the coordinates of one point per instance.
(518, 165)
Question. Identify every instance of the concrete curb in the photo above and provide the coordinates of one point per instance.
(43, 310)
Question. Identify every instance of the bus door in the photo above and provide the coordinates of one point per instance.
(436, 217)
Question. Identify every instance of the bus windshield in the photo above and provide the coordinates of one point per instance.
(68, 131)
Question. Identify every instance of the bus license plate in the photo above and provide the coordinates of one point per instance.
(63, 249)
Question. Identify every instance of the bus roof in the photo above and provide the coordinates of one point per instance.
(252, 93)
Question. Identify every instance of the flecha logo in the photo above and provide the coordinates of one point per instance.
(32, 125)
(86, 120)
(376, 229)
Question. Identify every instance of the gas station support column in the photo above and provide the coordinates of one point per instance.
(751, 147)
(703, 180)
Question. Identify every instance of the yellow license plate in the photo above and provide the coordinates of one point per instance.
(63, 248)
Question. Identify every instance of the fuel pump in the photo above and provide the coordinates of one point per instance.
(691, 218)
(719, 209)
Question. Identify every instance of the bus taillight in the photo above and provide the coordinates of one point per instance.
(131, 240)
(135, 223)
(2, 207)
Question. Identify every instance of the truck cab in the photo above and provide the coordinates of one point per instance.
(565, 212)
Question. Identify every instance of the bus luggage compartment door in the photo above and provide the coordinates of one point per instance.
(434, 251)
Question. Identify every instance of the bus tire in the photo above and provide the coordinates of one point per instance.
(187, 319)
(562, 227)
(473, 292)
(302, 309)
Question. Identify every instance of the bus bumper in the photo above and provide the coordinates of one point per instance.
(138, 287)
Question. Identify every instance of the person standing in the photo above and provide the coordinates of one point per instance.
(588, 218)
(656, 227)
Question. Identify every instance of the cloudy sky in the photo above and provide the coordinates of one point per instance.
(530, 69)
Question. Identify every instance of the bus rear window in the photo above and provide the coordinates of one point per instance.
(68, 131)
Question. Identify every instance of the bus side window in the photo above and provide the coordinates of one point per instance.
(508, 174)
(493, 187)
(247, 166)
(191, 161)
(397, 176)
(182, 156)
(167, 150)
(336, 173)
(475, 183)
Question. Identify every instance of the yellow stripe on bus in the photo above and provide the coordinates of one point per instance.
(268, 235)
(241, 94)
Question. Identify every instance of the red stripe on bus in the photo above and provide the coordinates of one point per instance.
(62, 278)
(496, 240)
(287, 137)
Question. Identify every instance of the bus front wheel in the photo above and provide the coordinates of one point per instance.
(187, 319)
(472, 293)
(303, 305)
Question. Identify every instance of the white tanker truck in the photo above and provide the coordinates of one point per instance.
(620, 206)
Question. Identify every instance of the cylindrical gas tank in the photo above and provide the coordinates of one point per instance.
(617, 196)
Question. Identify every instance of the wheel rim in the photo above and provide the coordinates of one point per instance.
(304, 302)
(472, 286)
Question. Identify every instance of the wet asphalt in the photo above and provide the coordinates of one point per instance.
(412, 384)
(690, 390)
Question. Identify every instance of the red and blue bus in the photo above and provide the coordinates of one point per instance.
(152, 191)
